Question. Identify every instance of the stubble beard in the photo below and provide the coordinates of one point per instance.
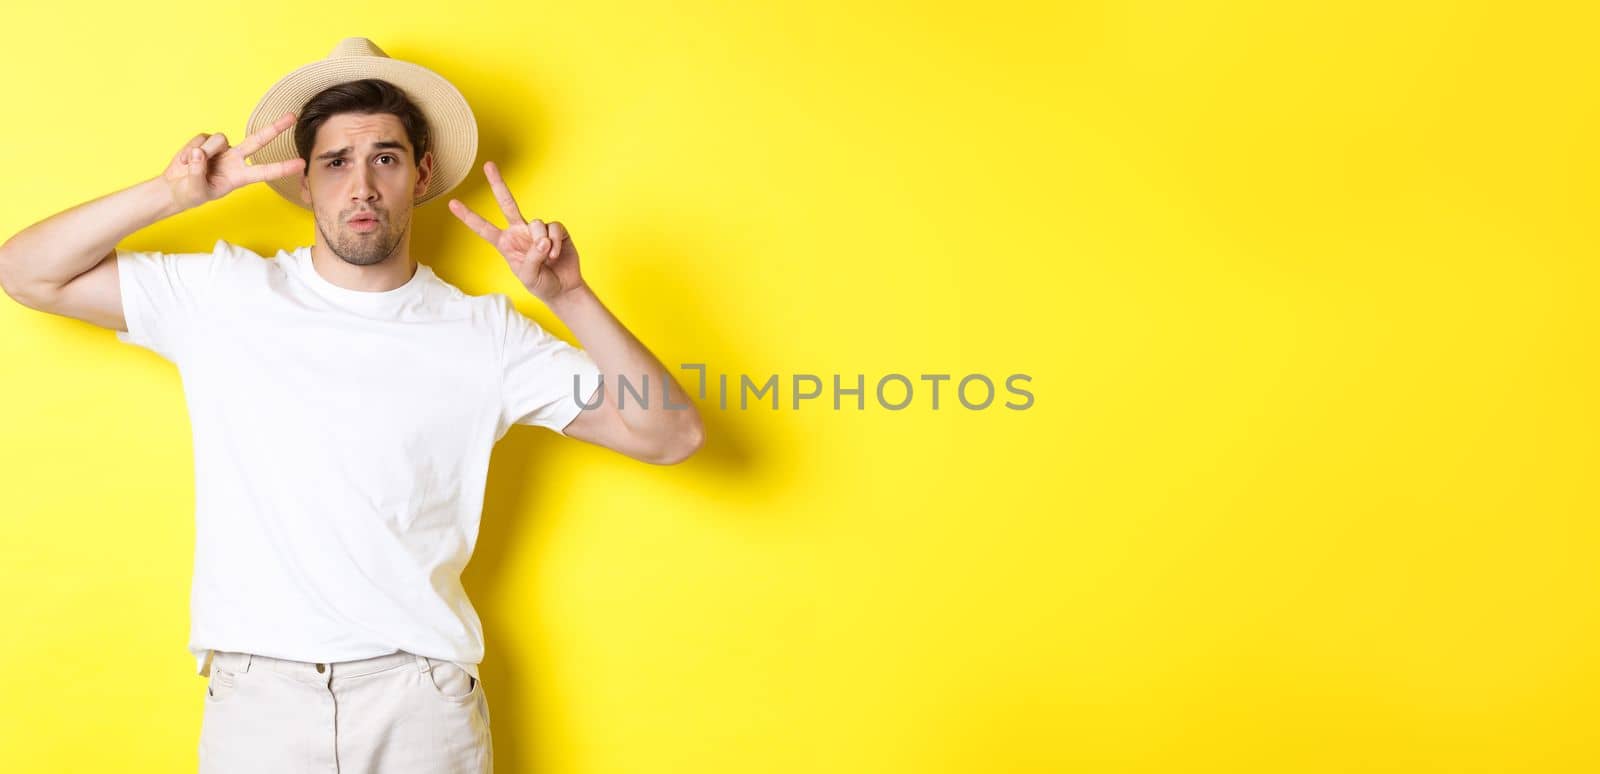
(360, 249)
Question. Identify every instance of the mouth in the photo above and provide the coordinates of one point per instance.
(363, 222)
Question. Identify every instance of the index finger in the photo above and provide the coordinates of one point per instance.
(256, 173)
(484, 228)
(255, 141)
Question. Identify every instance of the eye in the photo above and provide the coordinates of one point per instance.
(335, 161)
(388, 156)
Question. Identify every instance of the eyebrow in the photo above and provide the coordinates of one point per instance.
(380, 145)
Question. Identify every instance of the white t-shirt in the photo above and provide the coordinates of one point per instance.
(341, 445)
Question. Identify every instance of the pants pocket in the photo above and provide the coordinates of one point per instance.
(221, 686)
(451, 682)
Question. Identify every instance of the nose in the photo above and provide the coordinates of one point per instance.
(362, 189)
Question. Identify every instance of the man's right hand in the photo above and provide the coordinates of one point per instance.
(208, 169)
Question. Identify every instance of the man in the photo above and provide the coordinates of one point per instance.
(344, 401)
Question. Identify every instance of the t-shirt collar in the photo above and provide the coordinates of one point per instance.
(369, 300)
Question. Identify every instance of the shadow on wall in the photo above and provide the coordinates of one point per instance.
(513, 501)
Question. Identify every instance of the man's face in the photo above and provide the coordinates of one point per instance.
(361, 184)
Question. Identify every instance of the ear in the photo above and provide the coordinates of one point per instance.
(305, 189)
(424, 174)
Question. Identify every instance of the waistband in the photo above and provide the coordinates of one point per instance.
(313, 671)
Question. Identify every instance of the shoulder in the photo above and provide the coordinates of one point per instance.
(487, 311)
(240, 271)
(447, 294)
(233, 257)
(491, 307)
(498, 315)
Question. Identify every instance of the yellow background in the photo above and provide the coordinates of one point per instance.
(1307, 296)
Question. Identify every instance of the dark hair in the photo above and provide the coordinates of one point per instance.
(369, 95)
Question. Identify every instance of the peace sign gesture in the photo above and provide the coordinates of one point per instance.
(206, 168)
(541, 255)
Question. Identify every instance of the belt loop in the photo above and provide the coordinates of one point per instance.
(422, 662)
(245, 667)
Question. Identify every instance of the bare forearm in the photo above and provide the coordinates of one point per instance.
(619, 354)
(50, 253)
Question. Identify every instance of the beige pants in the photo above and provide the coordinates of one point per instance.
(395, 714)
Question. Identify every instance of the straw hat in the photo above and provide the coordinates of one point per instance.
(453, 129)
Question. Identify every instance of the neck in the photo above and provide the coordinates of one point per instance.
(387, 274)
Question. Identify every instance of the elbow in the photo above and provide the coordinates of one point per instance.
(683, 445)
(28, 296)
(14, 286)
(6, 282)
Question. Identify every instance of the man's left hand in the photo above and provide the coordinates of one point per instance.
(540, 254)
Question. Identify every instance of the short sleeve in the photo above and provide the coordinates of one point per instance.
(163, 295)
(541, 376)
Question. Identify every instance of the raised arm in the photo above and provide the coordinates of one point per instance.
(545, 260)
(66, 264)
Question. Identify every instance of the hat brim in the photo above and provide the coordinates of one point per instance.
(453, 129)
